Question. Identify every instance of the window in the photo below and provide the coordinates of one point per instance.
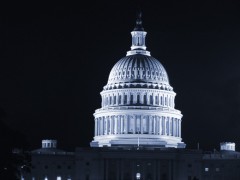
(119, 99)
(138, 176)
(217, 169)
(206, 169)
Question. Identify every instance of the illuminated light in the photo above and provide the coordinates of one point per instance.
(138, 176)
(59, 178)
(206, 169)
(228, 146)
(45, 178)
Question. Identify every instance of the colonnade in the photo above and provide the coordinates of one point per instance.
(138, 97)
(137, 124)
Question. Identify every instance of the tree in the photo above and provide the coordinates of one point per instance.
(14, 157)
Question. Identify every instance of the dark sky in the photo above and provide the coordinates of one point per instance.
(56, 58)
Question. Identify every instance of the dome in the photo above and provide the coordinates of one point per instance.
(138, 107)
(138, 68)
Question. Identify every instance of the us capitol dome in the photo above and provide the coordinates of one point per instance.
(138, 107)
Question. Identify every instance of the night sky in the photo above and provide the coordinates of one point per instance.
(56, 58)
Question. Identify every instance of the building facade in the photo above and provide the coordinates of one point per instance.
(137, 132)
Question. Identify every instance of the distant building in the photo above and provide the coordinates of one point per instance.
(49, 163)
(137, 132)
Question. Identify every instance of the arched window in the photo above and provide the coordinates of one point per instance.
(125, 99)
(145, 99)
(119, 99)
(138, 98)
(156, 100)
(131, 99)
(151, 99)
(167, 125)
(110, 100)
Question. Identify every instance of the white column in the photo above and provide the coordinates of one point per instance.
(159, 99)
(111, 124)
(98, 121)
(128, 98)
(113, 121)
(148, 98)
(115, 125)
(95, 131)
(118, 124)
(154, 125)
(134, 124)
(103, 125)
(165, 125)
(154, 102)
(122, 101)
(100, 126)
(122, 124)
(141, 98)
(106, 125)
(169, 125)
(177, 127)
(173, 125)
(141, 123)
(173, 103)
(116, 98)
(150, 125)
(160, 125)
(134, 97)
(126, 123)
(180, 132)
